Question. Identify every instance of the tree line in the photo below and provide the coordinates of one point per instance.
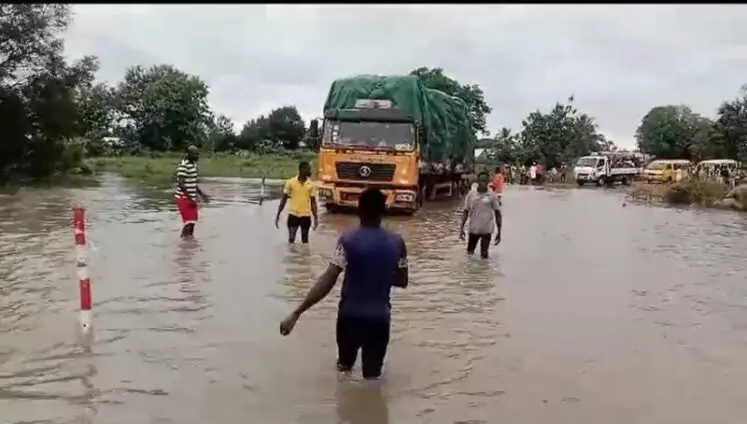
(665, 132)
(677, 132)
(53, 113)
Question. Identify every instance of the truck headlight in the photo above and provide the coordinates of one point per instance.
(325, 194)
(404, 197)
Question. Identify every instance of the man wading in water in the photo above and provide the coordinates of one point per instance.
(302, 194)
(187, 191)
(374, 260)
(483, 209)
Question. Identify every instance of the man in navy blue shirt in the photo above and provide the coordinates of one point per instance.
(374, 260)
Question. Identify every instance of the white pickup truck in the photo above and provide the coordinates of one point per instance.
(605, 169)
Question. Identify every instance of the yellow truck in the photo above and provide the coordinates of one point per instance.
(392, 133)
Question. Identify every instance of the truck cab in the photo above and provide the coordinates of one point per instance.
(372, 144)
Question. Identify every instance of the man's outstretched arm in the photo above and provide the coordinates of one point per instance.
(320, 289)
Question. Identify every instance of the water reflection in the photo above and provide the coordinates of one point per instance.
(361, 402)
(648, 300)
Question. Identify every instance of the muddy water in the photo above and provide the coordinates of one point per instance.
(588, 312)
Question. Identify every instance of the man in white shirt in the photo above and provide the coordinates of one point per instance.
(532, 174)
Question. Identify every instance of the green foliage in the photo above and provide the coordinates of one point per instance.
(672, 132)
(166, 108)
(53, 114)
(39, 112)
(678, 132)
(553, 138)
(471, 95)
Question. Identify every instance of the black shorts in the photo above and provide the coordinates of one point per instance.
(369, 335)
(299, 221)
(484, 240)
(296, 222)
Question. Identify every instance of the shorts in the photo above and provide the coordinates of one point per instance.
(299, 221)
(187, 209)
(484, 240)
(370, 335)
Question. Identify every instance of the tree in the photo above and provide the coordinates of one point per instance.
(220, 135)
(312, 135)
(286, 126)
(472, 95)
(507, 148)
(166, 108)
(729, 135)
(253, 133)
(38, 110)
(673, 132)
(29, 37)
(559, 136)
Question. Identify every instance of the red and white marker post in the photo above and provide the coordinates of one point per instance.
(79, 220)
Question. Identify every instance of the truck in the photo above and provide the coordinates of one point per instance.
(392, 133)
(607, 168)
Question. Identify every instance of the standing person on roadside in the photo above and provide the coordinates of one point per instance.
(483, 210)
(374, 260)
(187, 191)
(532, 174)
(540, 170)
(499, 181)
(302, 194)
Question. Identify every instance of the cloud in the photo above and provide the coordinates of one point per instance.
(619, 61)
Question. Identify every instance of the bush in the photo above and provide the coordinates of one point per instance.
(704, 192)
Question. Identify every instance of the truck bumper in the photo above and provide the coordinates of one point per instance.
(397, 199)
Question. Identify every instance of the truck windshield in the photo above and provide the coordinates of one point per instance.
(387, 135)
(587, 162)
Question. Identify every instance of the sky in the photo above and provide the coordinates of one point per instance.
(618, 61)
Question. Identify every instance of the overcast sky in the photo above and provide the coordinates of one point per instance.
(619, 61)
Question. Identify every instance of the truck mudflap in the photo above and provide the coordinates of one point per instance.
(398, 199)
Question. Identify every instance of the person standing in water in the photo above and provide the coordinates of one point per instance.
(374, 260)
(187, 191)
(302, 194)
(483, 210)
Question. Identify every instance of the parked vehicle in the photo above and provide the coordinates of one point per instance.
(710, 166)
(607, 168)
(665, 170)
(393, 133)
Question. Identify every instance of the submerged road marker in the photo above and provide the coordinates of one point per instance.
(79, 225)
(262, 191)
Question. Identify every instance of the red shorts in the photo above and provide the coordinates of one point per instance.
(187, 209)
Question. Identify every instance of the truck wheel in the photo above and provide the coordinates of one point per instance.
(331, 208)
(580, 183)
(601, 182)
(625, 181)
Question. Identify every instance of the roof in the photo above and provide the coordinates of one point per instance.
(717, 161)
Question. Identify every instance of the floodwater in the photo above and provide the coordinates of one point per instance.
(589, 311)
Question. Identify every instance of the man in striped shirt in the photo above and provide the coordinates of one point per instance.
(187, 191)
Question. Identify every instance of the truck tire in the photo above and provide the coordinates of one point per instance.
(601, 182)
(331, 208)
(625, 181)
(580, 183)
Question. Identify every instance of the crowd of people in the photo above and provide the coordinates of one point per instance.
(372, 259)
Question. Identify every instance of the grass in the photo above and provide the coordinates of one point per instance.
(163, 167)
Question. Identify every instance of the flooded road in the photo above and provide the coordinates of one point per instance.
(588, 312)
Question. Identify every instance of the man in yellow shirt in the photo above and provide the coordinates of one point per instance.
(302, 194)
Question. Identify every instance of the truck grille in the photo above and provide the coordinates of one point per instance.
(365, 171)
